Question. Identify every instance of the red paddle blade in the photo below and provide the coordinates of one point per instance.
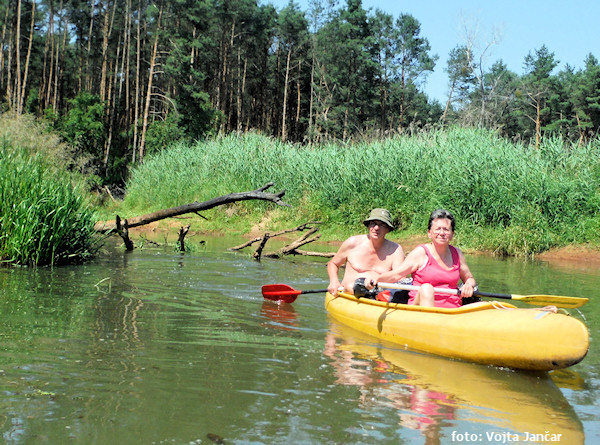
(280, 292)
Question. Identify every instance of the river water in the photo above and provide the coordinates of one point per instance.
(159, 347)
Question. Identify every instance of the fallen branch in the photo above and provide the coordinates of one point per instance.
(260, 194)
(300, 228)
(290, 249)
(309, 253)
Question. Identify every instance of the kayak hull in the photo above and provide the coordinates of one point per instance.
(490, 333)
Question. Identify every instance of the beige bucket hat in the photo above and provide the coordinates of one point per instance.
(381, 215)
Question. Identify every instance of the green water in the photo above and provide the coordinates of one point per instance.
(157, 347)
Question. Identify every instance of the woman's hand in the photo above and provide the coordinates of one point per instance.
(466, 291)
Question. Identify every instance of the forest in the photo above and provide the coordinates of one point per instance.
(124, 78)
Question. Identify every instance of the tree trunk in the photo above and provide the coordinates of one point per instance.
(27, 58)
(2, 52)
(106, 31)
(51, 42)
(149, 91)
(285, 95)
(260, 194)
(443, 119)
(538, 124)
(16, 99)
(137, 86)
(60, 50)
(88, 77)
(297, 122)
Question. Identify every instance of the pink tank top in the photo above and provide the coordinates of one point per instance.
(438, 276)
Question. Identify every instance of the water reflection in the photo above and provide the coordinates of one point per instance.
(280, 315)
(441, 397)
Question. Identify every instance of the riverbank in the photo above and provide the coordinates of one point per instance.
(576, 256)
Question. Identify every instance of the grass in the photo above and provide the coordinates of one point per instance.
(44, 218)
(508, 198)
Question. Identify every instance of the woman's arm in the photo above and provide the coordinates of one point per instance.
(466, 277)
(412, 262)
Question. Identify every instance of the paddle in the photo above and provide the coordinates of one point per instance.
(540, 300)
(285, 293)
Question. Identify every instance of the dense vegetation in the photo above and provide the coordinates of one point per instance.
(122, 79)
(509, 198)
(44, 217)
(515, 156)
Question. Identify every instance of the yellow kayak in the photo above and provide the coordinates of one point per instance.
(490, 332)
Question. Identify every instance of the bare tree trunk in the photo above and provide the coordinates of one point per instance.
(137, 86)
(2, 52)
(9, 86)
(107, 31)
(538, 125)
(60, 51)
(17, 91)
(241, 80)
(126, 56)
(260, 194)
(88, 77)
(149, 91)
(111, 107)
(297, 122)
(285, 95)
(51, 42)
(443, 119)
(24, 86)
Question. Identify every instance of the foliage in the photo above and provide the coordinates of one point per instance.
(115, 76)
(83, 127)
(502, 202)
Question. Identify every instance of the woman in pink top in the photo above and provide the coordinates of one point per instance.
(436, 264)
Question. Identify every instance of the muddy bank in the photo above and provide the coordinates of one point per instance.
(572, 256)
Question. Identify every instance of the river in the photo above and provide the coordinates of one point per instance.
(159, 347)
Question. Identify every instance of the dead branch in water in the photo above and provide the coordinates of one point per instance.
(260, 194)
(300, 228)
(183, 231)
(290, 249)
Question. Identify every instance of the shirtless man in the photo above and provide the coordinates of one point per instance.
(363, 254)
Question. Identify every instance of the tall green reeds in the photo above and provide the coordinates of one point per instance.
(44, 219)
(509, 198)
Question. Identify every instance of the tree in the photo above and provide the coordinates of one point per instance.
(585, 96)
(83, 128)
(292, 39)
(461, 77)
(413, 61)
(537, 86)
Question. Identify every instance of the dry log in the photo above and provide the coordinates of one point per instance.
(108, 226)
(310, 253)
(300, 228)
(290, 249)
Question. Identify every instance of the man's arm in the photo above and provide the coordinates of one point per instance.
(338, 260)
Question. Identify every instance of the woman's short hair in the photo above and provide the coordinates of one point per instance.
(441, 214)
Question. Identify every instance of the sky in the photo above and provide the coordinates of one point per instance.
(569, 29)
